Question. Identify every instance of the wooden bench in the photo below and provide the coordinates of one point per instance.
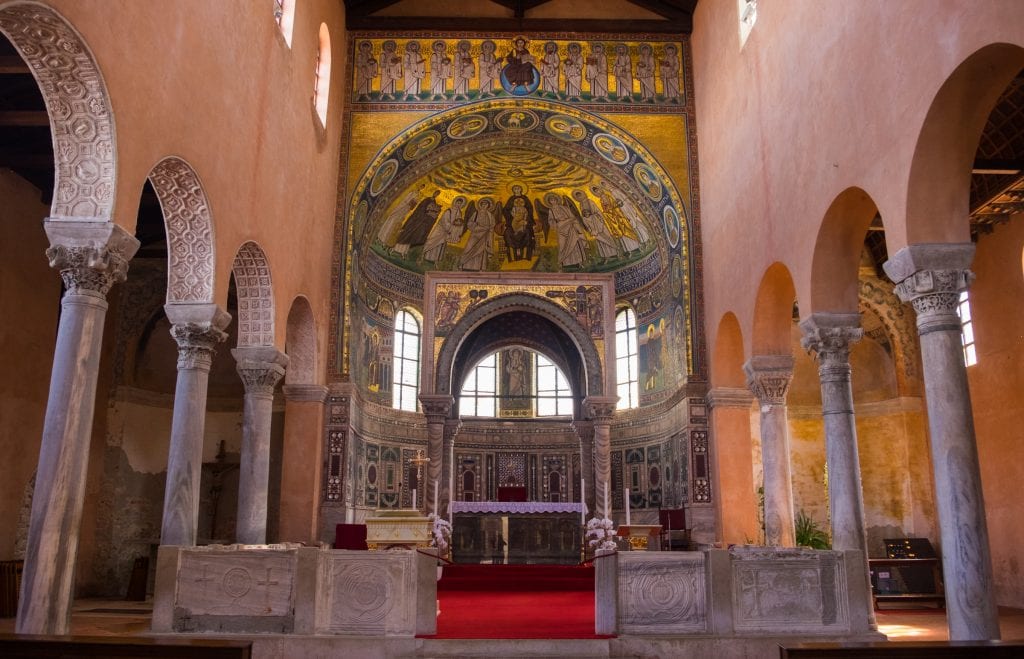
(72, 647)
(905, 650)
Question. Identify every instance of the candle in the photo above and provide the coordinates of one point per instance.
(606, 510)
(627, 506)
(435, 511)
(583, 501)
(414, 498)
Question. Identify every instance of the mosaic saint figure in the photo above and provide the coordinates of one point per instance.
(401, 210)
(519, 225)
(645, 72)
(573, 71)
(549, 69)
(414, 69)
(593, 220)
(463, 69)
(480, 225)
(670, 74)
(622, 69)
(417, 226)
(490, 68)
(597, 72)
(572, 245)
(440, 69)
(520, 67)
(447, 229)
(618, 224)
(515, 371)
(366, 69)
(391, 68)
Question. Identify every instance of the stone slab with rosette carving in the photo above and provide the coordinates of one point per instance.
(662, 593)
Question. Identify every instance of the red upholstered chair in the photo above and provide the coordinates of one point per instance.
(350, 536)
(674, 532)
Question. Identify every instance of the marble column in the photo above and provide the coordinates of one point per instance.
(437, 408)
(261, 368)
(829, 336)
(91, 257)
(736, 503)
(931, 277)
(302, 467)
(585, 431)
(601, 409)
(768, 377)
(197, 328)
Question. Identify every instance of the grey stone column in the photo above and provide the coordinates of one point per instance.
(451, 429)
(829, 335)
(768, 377)
(437, 408)
(197, 328)
(931, 278)
(260, 367)
(601, 409)
(91, 257)
(585, 430)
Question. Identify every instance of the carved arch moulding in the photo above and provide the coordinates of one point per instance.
(255, 296)
(78, 105)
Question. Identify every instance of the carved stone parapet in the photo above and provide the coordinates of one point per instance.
(261, 368)
(436, 407)
(600, 408)
(305, 393)
(769, 376)
(729, 398)
(91, 256)
(829, 336)
(196, 344)
(931, 278)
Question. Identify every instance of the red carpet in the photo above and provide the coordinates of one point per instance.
(516, 601)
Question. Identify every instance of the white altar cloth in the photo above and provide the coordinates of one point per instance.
(513, 507)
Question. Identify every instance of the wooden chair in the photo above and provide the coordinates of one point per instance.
(675, 535)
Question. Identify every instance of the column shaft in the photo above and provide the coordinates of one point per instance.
(601, 409)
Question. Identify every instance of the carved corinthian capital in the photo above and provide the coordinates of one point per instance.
(436, 407)
(261, 368)
(768, 377)
(829, 336)
(931, 278)
(91, 256)
(600, 408)
(196, 344)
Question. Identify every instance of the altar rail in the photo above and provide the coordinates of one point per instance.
(295, 590)
(739, 592)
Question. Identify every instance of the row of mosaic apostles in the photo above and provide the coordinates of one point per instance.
(516, 229)
(607, 72)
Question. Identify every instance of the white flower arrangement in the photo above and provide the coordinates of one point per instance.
(601, 534)
(441, 532)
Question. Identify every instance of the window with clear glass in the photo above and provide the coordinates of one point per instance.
(554, 397)
(963, 309)
(406, 362)
(322, 79)
(284, 14)
(480, 390)
(748, 16)
(627, 364)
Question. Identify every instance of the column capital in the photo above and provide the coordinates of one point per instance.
(768, 377)
(91, 256)
(260, 367)
(931, 278)
(197, 328)
(600, 409)
(305, 393)
(436, 407)
(729, 398)
(829, 336)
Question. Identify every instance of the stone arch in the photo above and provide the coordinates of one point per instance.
(190, 243)
(254, 286)
(592, 377)
(773, 312)
(897, 319)
(300, 343)
(727, 359)
(837, 252)
(77, 102)
(938, 191)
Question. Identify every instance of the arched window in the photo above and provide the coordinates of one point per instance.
(554, 398)
(627, 367)
(480, 390)
(406, 362)
(322, 81)
(284, 14)
(963, 309)
(748, 16)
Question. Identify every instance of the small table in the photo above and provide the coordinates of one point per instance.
(641, 536)
(936, 595)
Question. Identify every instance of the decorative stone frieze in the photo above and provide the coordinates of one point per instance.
(255, 296)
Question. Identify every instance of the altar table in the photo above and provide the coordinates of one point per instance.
(516, 532)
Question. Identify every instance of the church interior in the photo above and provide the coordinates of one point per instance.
(308, 266)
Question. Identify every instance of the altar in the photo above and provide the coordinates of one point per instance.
(516, 532)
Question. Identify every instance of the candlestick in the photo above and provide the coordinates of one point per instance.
(435, 498)
(414, 498)
(606, 511)
(627, 506)
(583, 500)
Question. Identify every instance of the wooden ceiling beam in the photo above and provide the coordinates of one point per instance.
(396, 24)
(997, 167)
(12, 64)
(24, 118)
(675, 11)
(366, 7)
